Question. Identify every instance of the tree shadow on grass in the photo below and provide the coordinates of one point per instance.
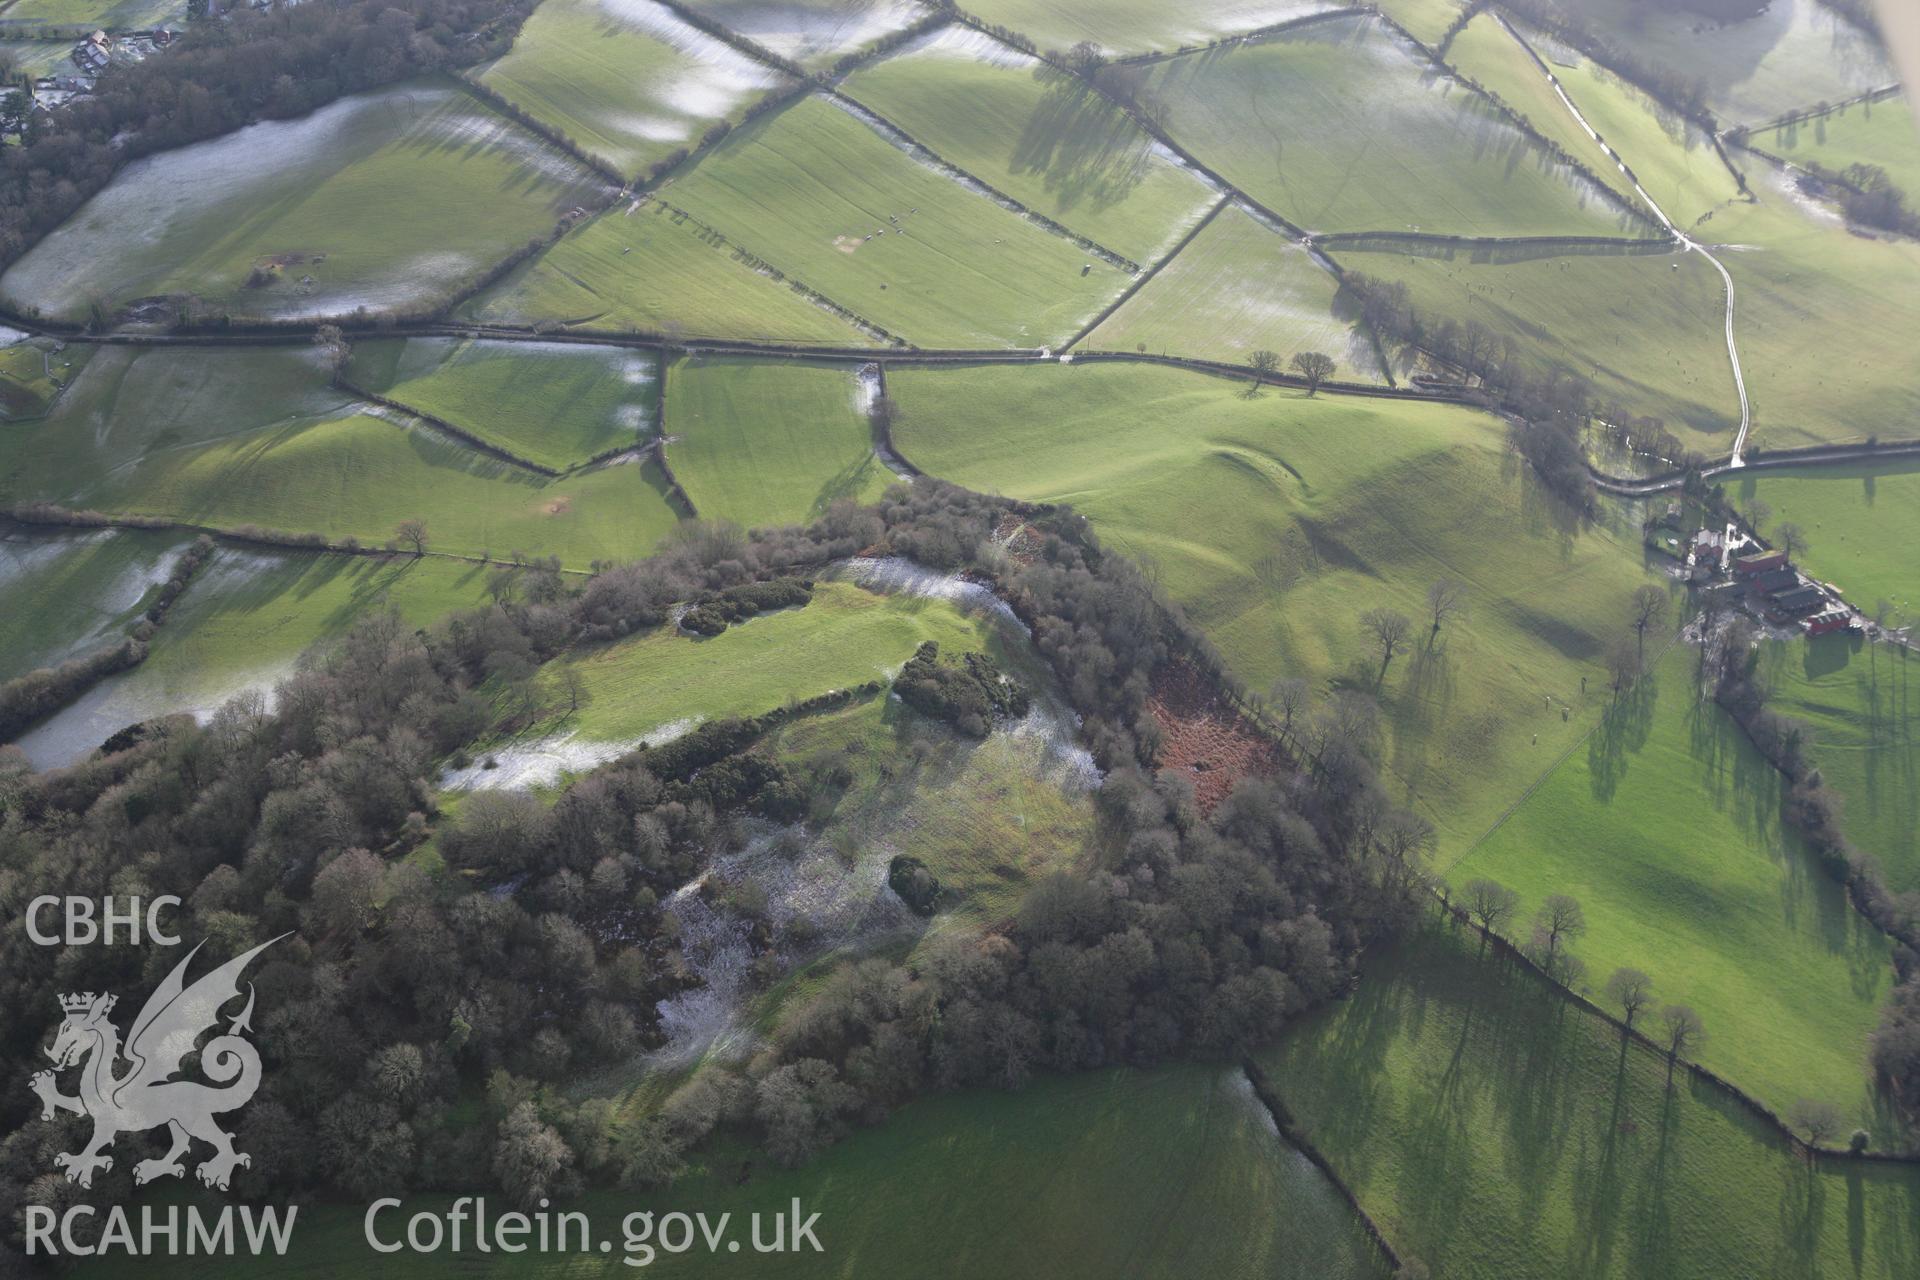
(1622, 733)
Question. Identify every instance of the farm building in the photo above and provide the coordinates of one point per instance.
(1774, 582)
(1797, 603)
(1759, 562)
(1828, 621)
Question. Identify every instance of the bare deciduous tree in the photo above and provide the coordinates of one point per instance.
(1289, 698)
(1814, 1119)
(1264, 363)
(1315, 366)
(413, 533)
(1445, 598)
(1632, 990)
(1680, 1030)
(1790, 538)
(1623, 665)
(1492, 904)
(1559, 920)
(1387, 628)
(1649, 607)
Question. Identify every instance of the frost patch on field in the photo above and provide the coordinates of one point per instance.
(813, 33)
(968, 45)
(542, 762)
(717, 78)
(896, 575)
(842, 906)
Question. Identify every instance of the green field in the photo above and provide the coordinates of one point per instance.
(1425, 20)
(1824, 322)
(113, 15)
(846, 636)
(243, 624)
(1136, 26)
(1861, 522)
(1175, 1171)
(37, 58)
(1674, 160)
(1277, 521)
(360, 475)
(1342, 126)
(1866, 739)
(556, 404)
(643, 268)
(68, 592)
(1878, 133)
(625, 79)
(1665, 824)
(131, 403)
(1498, 1134)
(1046, 138)
(34, 372)
(1238, 288)
(237, 436)
(811, 189)
(1486, 52)
(813, 33)
(1793, 54)
(392, 201)
(763, 442)
(1645, 329)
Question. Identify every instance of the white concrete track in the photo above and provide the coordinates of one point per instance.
(1687, 242)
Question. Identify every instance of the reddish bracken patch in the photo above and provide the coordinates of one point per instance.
(1207, 739)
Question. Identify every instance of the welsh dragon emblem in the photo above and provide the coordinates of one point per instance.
(144, 1095)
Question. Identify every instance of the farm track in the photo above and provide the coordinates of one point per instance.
(1687, 242)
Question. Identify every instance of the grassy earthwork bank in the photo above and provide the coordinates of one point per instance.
(1276, 521)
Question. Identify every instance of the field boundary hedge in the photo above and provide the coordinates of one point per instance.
(1243, 37)
(1141, 280)
(1759, 1109)
(53, 515)
(513, 111)
(953, 172)
(882, 423)
(1296, 1137)
(675, 490)
(466, 437)
(29, 699)
(1528, 247)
